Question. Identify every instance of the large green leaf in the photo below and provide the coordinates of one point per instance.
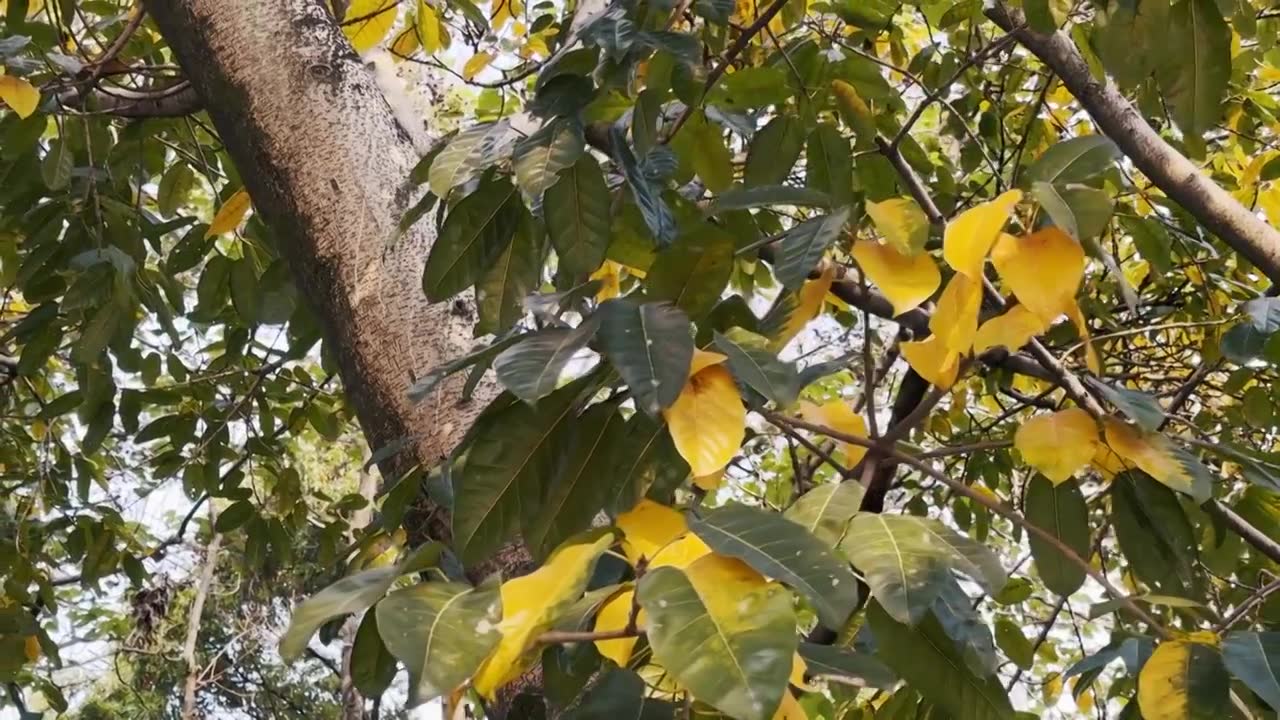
(755, 366)
(1074, 160)
(1079, 211)
(773, 151)
(785, 551)
(1138, 406)
(826, 660)
(651, 346)
(730, 646)
(905, 560)
(531, 368)
(647, 463)
(619, 693)
(174, 188)
(506, 472)
(1254, 658)
(701, 149)
(1197, 66)
(469, 152)
(441, 631)
(740, 198)
(829, 164)
(577, 213)
(373, 668)
(475, 233)
(1061, 511)
(693, 272)
(929, 662)
(647, 192)
(803, 246)
(515, 274)
(1131, 38)
(585, 449)
(827, 509)
(960, 620)
(539, 159)
(1154, 534)
(1014, 644)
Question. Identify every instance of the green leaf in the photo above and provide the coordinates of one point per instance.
(372, 667)
(1247, 341)
(1060, 510)
(959, 618)
(539, 159)
(648, 194)
(827, 509)
(57, 164)
(784, 551)
(475, 233)
(1138, 406)
(175, 186)
(740, 198)
(515, 274)
(1197, 67)
(803, 246)
(651, 347)
(825, 660)
(1131, 39)
(730, 647)
(928, 661)
(694, 271)
(829, 164)
(773, 152)
(244, 289)
(577, 213)
(469, 152)
(701, 149)
(1184, 679)
(759, 369)
(1254, 658)
(1079, 211)
(96, 333)
(349, 595)
(441, 632)
(1074, 160)
(620, 693)
(905, 560)
(234, 515)
(1154, 534)
(1014, 644)
(531, 368)
(751, 87)
(647, 464)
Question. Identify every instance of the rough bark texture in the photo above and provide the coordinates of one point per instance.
(1173, 173)
(326, 164)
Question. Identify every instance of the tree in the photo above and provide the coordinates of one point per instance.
(689, 384)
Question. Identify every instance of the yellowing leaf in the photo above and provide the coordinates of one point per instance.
(709, 482)
(1183, 680)
(679, 554)
(703, 359)
(1058, 444)
(478, 62)
(1012, 330)
(1052, 689)
(658, 534)
(809, 305)
(504, 10)
(610, 280)
(969, 237)
(790, 708)
(907, 280)
(1043, 269)
(406, 44)
(799, 668)
(902, 223)
(838, 415)
(1153, 454)
(708, 420)
(21, 96)
(1091, 358)
(1269, 201)
(933, 360)
(31, 648)
(230, 215)
(1107, 462)
(531, 604)
(429, 29)
(614, 615)
(955, 321)
(368, 21)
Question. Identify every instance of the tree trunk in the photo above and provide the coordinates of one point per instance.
(326, 164)
(194, 616)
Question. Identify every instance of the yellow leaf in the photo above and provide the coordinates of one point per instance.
(504, 10)
(709, 482)
(1152, 453)
(703, 359)
(902, 223)
(799, 668)
(969, 237)
(429, 28)
(405, 45)
(1091, 358)
(31, 648)
(679, 554)
(531, 604)
(610, 281)
(1175, 684)
(808, 306)
(1084, 703)
(658, 534)
(855, 111)
(1052, 689)
(21, 96)
(1043, 269)
(478, 62)
(614, 615)
(1269, 201)
(907, 280)
(838, 415)
(955, 321)
(368, 21)
(1107, 462)
(1012, 330)
(708, 420)
(790, 708)
(1058, 444)
(933, 360)
(230, 215)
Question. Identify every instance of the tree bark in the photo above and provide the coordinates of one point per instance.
(194, 616)
(326, 164)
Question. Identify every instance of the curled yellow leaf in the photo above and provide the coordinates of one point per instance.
(1058, 444)
(230, 215)
(609, 275)
(614, 615)
(1155, 455)
(838, 415)
(659, 535)
(933, 360)
(368, 21)
(809, 304)
(708, 420)
(1012, 330)
(902, 223)
(969, 237)
(431, 33)
(955, 321)
(907, 280)
(478, 62)
(21, 96)
(1043, 269)
(1091, 358)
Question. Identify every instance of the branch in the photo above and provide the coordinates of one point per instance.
(1173, 173)
(131, 104)
(193, 625)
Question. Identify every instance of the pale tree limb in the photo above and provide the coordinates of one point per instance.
(1172, 172)
(194, 616)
